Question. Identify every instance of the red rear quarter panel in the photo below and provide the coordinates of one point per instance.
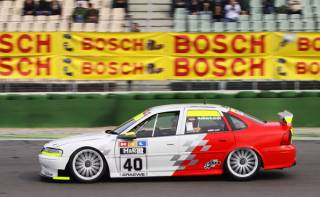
(265, 139)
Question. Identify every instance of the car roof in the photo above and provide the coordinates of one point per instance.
(189, 105)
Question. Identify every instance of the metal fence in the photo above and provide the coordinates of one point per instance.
(7, 86)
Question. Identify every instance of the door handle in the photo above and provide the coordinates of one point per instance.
(222, 140)
(170, 144)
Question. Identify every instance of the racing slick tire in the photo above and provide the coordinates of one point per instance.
(243, 164)
(87, 165)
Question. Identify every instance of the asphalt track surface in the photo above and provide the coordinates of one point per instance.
(19, 171)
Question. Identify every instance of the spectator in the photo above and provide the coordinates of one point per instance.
(294, 6)
(206, 6)
(268, 6)
(194, 7)
(84, 3)
(79, 13)
(135, 27)
(29, 7)
(218, 14)
(92, 14)
(221, 2)
(121, 4)
(55, 7)
(178, 4)
(43, 8)
(245, 7)
(232, 11)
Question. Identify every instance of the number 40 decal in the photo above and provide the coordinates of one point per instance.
(135, 163)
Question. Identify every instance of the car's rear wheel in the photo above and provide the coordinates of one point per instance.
(243, 164)
(87, 165)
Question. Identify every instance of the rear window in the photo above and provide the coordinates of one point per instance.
(257, 120)
(204, 121)
(235, 123)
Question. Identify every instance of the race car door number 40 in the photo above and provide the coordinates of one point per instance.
(133, 166)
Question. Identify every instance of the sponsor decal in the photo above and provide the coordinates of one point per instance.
(139, 143)
(133, 174)
(211, 164)
(209, 118)
(123, 144)
(142, 143)
(132, 144)
(134, 150)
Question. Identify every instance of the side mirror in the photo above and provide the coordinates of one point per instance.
(128, 136)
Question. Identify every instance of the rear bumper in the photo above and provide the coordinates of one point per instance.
(280, 157)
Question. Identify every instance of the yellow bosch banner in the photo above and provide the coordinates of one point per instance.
(29, 67)
(159, 56)
(164, 68)
(297, 68)
(29, 43)
(221, 68)
(124, 44)
(295, 44)
(114, 68)
(219, 44)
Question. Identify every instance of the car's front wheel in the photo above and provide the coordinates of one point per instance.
(87, 165)
(243, 164)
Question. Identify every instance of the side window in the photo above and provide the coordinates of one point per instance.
(166, 124)
(204, 121)
(162, 124)
(145, 128)
(236, 123)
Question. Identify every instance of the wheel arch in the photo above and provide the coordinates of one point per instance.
(92, 148)
(244, 147)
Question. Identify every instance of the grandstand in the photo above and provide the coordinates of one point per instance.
(156, 16)
(255, 22)
(110, 20)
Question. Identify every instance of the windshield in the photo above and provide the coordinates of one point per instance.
(247, 116)
(130, 122)
(124, 126)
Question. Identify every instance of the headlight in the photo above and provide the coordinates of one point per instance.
(51, 152)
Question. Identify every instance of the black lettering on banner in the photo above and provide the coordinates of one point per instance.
(135, 163)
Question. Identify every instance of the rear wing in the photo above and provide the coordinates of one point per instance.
(286, 117)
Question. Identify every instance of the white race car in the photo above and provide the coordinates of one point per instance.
(174, 140)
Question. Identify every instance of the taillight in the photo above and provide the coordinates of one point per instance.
(286, 138)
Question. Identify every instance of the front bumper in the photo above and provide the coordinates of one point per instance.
(51, 165)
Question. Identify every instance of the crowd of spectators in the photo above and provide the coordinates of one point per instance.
(41, 7)
(84, 10)
(90, 14)
(230, 10)
(82, 14)
(291, 7)
(220, 10)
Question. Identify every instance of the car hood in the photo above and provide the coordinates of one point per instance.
(80, 138)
